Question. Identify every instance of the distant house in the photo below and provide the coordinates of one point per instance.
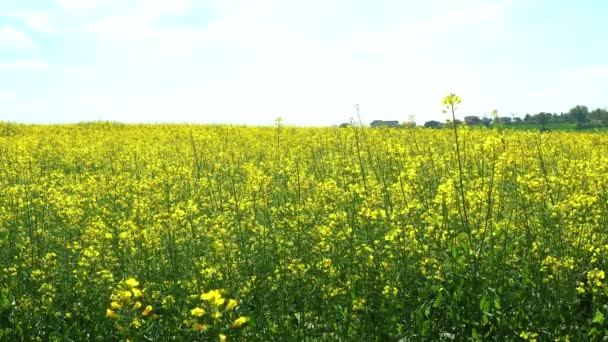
(433, 124)
(383, 123)
(472, 120)
(504, 120)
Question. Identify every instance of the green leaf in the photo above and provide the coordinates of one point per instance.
(437, 302)
(497, 303)
(483, 303)
(598, 317)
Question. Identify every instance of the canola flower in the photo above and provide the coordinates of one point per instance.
(111, 231)
(214, 313)
(127, 309)
(213, 297)
(239, 322)
(197, 312)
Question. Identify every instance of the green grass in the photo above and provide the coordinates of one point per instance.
(562, 126)
(553, 126)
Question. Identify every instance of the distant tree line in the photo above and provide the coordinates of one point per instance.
(580, 115)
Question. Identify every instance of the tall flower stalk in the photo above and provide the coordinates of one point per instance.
(450, 104)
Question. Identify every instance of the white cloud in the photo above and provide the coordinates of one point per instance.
(252, 63)
(288, 73)
(35, 21)
(585, 85)
(10, 37)
(587, 73)
(75, 70)
(238, 7)
(39, 22)
(481, 14)
(139, 11)
(24, 65)
(119, 28)
(6, 95)
(86, 5)
(28, 112)
(156, 8)
(135, 22)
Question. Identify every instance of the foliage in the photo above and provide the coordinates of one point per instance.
(185, 232)
(543, 119)
(579, 113)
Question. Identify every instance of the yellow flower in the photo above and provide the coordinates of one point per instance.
(136, 323)
(451, 99)
(232, 303)
(111, 313)
(358, 304)
(240, 321)
(168, 301)
(147, 310)
(528, 336)
(136, 292)
(199, 327)
(126, 295)
(213, 297)
(137, 305)
(197, 312)
(132, 282)
(580, 288)
(37, 274)
(115, 305)
(388, 290)
(223, 338)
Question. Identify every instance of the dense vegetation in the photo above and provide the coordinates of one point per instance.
(577, 118)
(186, 232)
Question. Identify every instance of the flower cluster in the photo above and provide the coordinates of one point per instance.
(128, 308)
(215, 313)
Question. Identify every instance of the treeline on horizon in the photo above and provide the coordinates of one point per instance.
(579, 116)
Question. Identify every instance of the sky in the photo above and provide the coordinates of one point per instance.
(308, 62)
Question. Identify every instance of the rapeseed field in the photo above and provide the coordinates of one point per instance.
(226, 233)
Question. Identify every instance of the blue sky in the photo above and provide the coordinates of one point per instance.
(309, 62)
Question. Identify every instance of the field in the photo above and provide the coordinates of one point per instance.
(190, 232)
(553, 126)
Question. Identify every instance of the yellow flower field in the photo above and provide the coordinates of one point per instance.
(221, 233)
